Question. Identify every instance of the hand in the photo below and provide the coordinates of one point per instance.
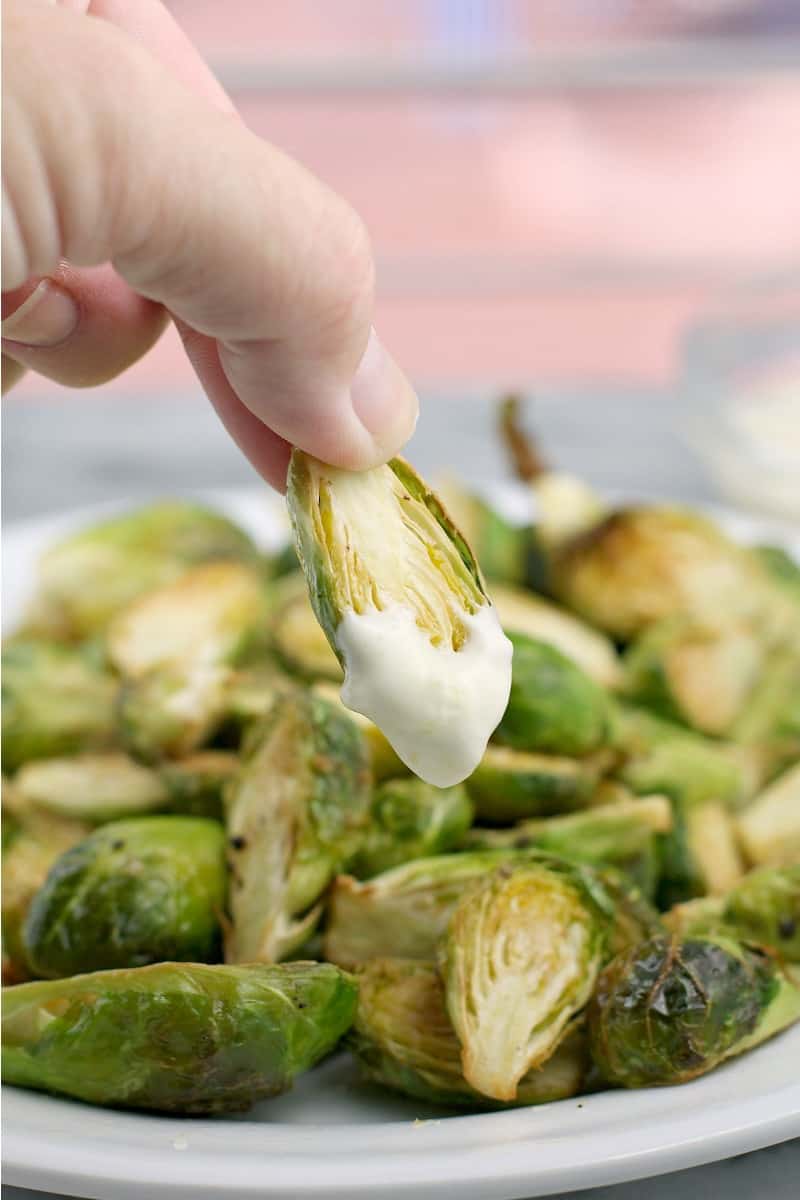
(131, 191)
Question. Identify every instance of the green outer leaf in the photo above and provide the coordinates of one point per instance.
(411, 819)
(509, 785)
(132, 893)
(175, 1038)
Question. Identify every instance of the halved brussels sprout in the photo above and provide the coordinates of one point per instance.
(175, 1037)
(195, 785)
(201, 619)
(39, 841)
(671, 1009)
(90, 576)
(695, 674)
(763, 907)
(620, 834)
(134, 892)
(411, 819)
(502, 548)
(404, 1039)
(553, 707)
(509, 785)
(522, 611)
(522, 952)
(770, 721)
(56, 700)
(769, 828)
(173, 711)
(296, 813)
(92, 787)
(400, 598)
(384, 762)
(299, 641)
(640, 565)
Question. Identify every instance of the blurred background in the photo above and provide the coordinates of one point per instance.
(595, 202)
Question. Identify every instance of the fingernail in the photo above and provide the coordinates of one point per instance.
(382, 398)
(45, 319)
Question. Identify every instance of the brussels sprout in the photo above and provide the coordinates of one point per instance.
(403, 1039)
(554, 707)
(763, 907)
(299, 642)
(202, 619)
(522, 952)
(509, 785)
(297, 811)
(176, 1038)
(173, 711)
(769, 829)
(195, 785)
(640, 565)
(403, 912)
(132, 893)
(689, 768)
(694, 674)
(770, 720)
(56, 700)
(523, 612)
(39, 841)
(411, 819)
(92, 787)
(384, 762)
(88, 578)
(671, 1009)
(621, 834)
(781, 568)
(502, 548)
(399, 595)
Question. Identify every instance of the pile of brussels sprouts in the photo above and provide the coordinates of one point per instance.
(214, 873)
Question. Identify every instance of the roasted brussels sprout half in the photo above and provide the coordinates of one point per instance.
(411, 819)
(399, 595)
(56, 700)
(86, 579)
(39, 840)
(502, 548)
(699, 675)
(524, 612)
(92, 787)
(763, 907)
(383, 761)
(671, 1009)
(770, 721)
(621, 834)
(134, 892)
(640, 565)
(172, 711)
(509, 785)
(299, 642)
(404, 1039)
(553, 707)
(174, 1037)
(195, 785)
(769, 828)
(296, 813)
(520, 958)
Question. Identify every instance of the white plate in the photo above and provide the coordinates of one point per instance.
(333, 1136)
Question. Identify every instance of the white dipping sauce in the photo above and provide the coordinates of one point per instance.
(437, 706)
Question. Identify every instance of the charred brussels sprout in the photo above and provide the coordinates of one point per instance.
(404, 1039)
(524, 612)
(553, 707)
(695, 674)
(400, 597)
(175, 1038)
(522, 952)
(92, 787)
(133, 893)
(764, 907)
(56, 700)
(88, 578)
(411, 819)
(509, 785)
(622, 835)
(668, 1010)
(769, 828)
(296, 813)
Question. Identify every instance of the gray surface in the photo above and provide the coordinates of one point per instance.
(82, 449)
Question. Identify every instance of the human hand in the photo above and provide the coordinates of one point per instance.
(131, 190)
